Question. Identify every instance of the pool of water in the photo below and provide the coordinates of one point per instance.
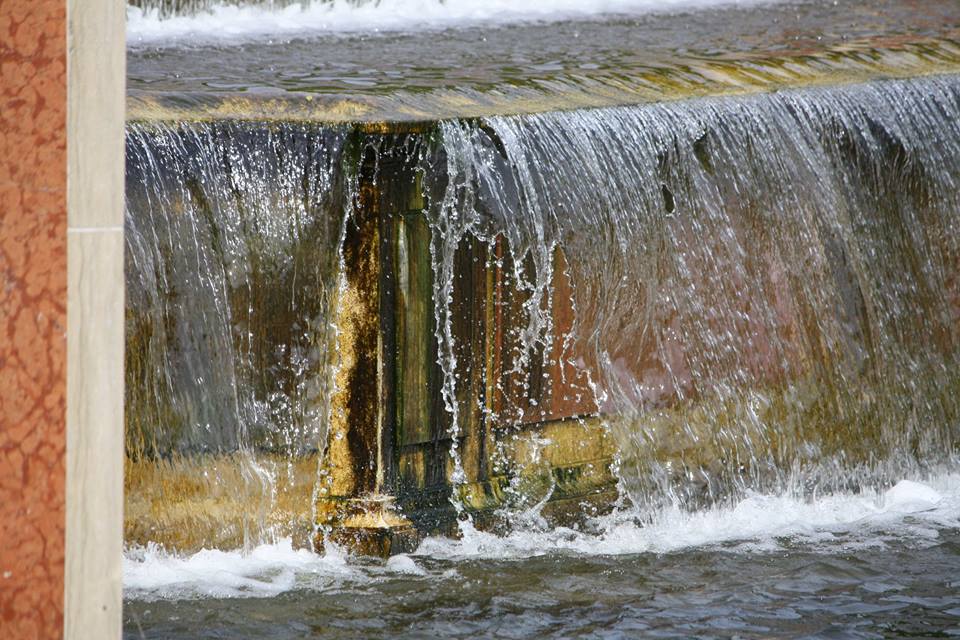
(860, 565)
(416, 66)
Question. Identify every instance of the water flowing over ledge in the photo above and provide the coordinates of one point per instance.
(813, 233)
(645, 323)
(761, 287)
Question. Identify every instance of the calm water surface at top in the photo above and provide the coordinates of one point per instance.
(496, 56)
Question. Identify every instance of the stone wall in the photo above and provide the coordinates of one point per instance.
(33, 315)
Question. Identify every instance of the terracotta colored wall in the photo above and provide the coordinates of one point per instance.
(33, 295)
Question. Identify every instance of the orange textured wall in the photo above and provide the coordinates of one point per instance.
(33, 300)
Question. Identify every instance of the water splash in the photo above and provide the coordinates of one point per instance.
(909, 513)
(836, 523)
(150, 573)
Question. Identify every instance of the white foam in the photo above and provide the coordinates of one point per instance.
(910, 511)
(268, 570)
(911, 497)
(226, 22)
(405, 564)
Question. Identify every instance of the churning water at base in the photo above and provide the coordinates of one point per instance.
(869, 564)
(910, 513)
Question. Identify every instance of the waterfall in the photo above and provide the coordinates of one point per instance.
(232, 242)
(765, 288)
(748, 293)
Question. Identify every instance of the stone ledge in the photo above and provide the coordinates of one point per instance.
(404, 112)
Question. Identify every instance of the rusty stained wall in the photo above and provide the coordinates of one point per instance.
(33, 290)
(494, 398)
